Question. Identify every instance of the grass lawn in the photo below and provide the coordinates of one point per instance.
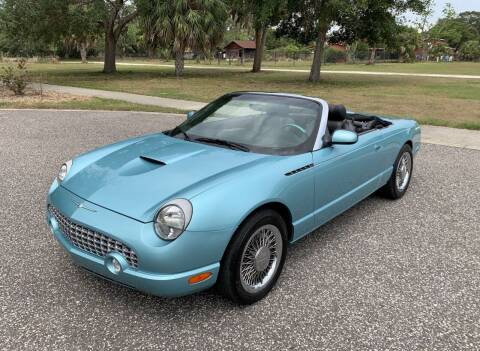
(467, 68)
(437, 101)
(464, 68)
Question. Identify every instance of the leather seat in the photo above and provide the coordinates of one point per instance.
(337, 119)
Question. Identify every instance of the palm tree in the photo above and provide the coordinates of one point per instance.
(148, 27)
(149, 33)
(190, 24)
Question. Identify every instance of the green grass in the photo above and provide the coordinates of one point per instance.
(437, 101)
(463, 68)
(88, 104)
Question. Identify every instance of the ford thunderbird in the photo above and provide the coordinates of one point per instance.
(219, 199)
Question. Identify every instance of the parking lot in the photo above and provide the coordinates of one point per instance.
(398, 275)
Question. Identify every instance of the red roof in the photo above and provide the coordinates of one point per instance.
(245, 44)
(340, 47)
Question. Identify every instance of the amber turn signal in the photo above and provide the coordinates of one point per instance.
(199, 278)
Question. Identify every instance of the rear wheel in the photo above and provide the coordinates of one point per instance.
(402, 173)
(254, 259)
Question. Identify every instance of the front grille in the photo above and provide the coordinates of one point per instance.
(91, 241)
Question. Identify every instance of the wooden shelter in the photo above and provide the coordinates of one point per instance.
(240, 50)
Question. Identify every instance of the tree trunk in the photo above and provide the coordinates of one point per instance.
(110, 65)
(371, 60)
(113, 29)
(179, 63)
(83, 52)
(151, 52)
(318, 55)
(260, 39)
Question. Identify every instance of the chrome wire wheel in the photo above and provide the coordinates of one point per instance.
(403, 172)
(261, 258)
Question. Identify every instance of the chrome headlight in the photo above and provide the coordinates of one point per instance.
(173, 218)
(64, 170)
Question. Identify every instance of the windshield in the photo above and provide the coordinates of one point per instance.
(261, 123)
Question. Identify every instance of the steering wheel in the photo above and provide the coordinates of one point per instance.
(297, 130)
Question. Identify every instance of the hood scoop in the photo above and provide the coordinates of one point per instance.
(173, 153)
(158, 158)
(153, 160)
(139, 166)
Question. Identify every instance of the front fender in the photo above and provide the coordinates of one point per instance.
(229, 203)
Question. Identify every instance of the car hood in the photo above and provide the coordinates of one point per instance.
(136, 179)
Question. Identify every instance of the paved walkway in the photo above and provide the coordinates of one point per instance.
(430, 75)
(463, 138)
(128, 97)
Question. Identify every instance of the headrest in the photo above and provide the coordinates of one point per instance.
(337, 113)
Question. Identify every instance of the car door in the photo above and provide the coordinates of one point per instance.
(346, 174)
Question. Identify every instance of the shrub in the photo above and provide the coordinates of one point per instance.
(15, 78)
(333, 55)
(440, 50)
(470, 50)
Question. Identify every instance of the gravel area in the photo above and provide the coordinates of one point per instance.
(401, 275)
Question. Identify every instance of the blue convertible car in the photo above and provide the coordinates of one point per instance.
(218, 199)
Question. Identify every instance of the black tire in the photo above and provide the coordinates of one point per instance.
(391, 190)
(229, 281)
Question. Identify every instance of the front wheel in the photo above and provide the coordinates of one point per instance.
(254, 258)
(402, 174)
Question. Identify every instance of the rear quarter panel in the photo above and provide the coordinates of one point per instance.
(395, 136)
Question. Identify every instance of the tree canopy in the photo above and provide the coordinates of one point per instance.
(29, 27)
(182, 24)
(36, 27)
(457, 29)
(373, 21)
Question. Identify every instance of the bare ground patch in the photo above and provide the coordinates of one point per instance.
(33, 97)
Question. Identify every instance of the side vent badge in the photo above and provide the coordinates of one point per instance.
(295, 171)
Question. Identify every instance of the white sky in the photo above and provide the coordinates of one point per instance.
(458, 5)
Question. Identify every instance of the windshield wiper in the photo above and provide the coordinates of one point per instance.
(185, 135)
(229, 144)
(179, 130)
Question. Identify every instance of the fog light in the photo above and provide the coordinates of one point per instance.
(115, 263)
(117, 267)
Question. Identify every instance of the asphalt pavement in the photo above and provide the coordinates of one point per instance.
(397, 275)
